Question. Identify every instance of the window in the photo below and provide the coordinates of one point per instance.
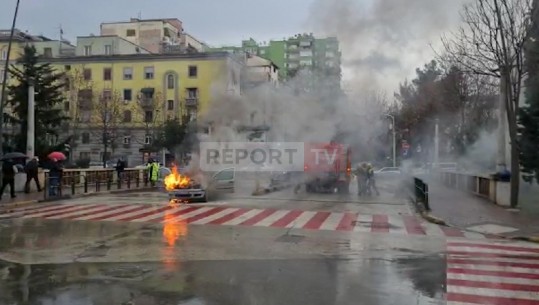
(85, 138)
(148, 140)
(127, 140)
(128, 95)
(87, 50)
(1, 75)
(192, 92)
(87, 74)
(67, 83)
(4, 54)
(128, 73)
(170, 81)
(67, 67)
(148, 72)
(147, 93)
(148, 116)
(130, 33)
(66, 106)
(107, 74)
(127, 116)
(170, 105)
(84, 155)
(47, 52)
(85, 116)
(108, 49)
(107, 95)
(193, 71)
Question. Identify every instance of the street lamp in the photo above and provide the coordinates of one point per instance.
(394, 138)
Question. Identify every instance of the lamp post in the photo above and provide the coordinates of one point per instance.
(30, 131)
(4, 79)
(394, 138)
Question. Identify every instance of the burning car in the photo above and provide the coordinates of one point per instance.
(184, 188)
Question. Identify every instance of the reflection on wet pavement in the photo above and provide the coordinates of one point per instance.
(325, 281)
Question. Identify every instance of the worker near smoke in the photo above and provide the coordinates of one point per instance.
(371, 180)
(153, 171)
(361, 176)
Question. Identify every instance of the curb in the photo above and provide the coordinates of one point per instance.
(532, 239)
(433, 219)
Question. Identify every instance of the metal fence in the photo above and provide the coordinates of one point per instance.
(74, 183)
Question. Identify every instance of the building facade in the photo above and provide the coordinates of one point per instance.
(106, 45)
(124, 99)
(299, 51)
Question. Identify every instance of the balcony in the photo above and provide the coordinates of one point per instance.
(191, 102)
(147, 102)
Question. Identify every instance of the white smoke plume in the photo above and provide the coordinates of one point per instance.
(383, 41)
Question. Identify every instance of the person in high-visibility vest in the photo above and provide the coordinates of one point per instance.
(153, 171)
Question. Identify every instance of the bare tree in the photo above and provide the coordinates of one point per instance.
(150, 115)
(491, 42)
(97, 111)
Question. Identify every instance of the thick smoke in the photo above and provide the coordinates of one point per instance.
(383, 41)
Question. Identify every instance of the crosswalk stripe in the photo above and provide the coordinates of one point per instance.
(215, 216)
(332, 221)
(492, 273)
(297, 219)
(181, 217)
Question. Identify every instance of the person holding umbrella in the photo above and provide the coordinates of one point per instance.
(31, 170)
(55, 172)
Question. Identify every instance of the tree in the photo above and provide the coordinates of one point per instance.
(491, 42)
(49, 100)
(529, 114)
(98, 111)
(150, 116)
(173, 135)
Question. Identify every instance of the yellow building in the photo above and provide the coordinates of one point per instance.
(129, 96)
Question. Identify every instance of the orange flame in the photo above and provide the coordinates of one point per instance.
(175, 180)
(173, 230)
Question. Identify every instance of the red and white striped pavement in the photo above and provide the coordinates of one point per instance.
(234, 216)
(492, 273)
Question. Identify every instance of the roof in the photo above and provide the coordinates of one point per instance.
(257, 61)
(133, 20)
(142, 57)
(19, 35)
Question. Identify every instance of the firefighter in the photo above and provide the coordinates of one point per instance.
(371, 180)
(361, 176)
(153, 171)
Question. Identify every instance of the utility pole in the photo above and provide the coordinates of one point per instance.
(105, 131)
(436, 144)
(394, 139)
(30, 131)
(501, 164)
(4, 79)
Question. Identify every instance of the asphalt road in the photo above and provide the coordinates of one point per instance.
(280, 248)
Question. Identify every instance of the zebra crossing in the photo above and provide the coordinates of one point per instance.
(225, 215)
(492, 273)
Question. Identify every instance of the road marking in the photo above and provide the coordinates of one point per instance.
(297, 219)
(492, 273)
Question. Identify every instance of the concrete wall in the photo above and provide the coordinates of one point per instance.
(119, 46)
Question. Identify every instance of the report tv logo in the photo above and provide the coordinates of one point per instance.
(271, 156)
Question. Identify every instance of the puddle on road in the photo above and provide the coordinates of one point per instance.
(417, 280)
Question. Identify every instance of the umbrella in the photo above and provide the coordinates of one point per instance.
(57, 155)
(14, 155)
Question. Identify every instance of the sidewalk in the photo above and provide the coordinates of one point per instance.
(477, 214)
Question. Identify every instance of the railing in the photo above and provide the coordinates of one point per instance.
(77, 182)
(421, 190)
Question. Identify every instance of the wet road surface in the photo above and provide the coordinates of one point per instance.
(311, 249)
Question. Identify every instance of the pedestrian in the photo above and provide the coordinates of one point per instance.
(8, 177)
(31, 170)
(120, 168)
(55, 177)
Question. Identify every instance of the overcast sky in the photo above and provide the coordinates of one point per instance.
(383, 41)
